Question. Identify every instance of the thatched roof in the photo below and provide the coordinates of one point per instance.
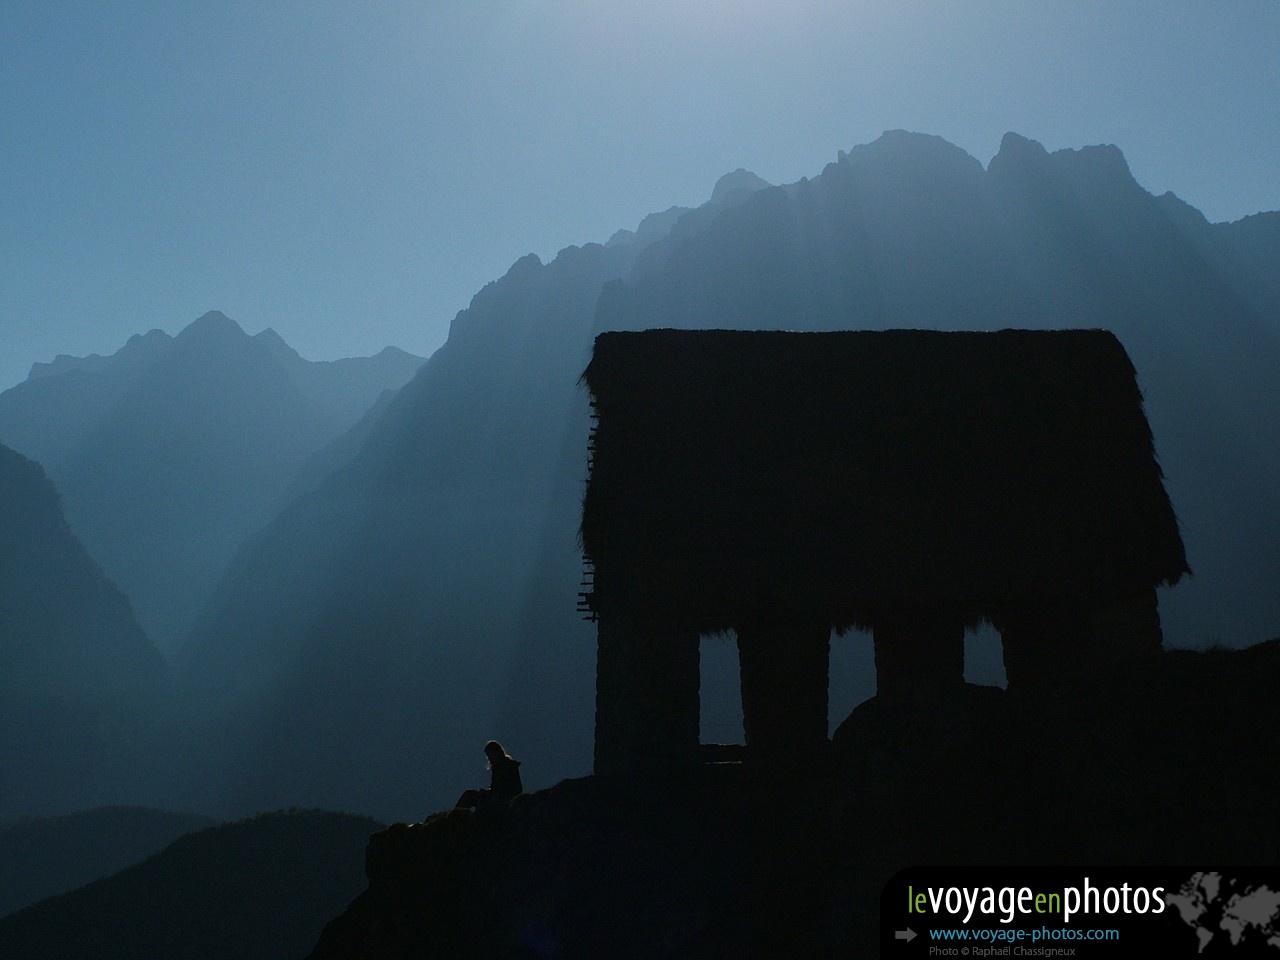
(843, 473)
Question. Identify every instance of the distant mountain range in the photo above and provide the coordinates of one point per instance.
(172, 451)
(364, 570)
(80, 683)
(421, 598)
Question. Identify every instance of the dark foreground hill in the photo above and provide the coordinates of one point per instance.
(44, 856)
(259, 888)
(728, 861)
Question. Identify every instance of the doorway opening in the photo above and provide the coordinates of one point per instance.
(720, 693)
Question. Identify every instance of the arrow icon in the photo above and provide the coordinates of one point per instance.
(907, 934)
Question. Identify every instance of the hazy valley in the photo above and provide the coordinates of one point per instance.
(237, 581)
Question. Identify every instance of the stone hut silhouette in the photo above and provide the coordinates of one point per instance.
(910, 482)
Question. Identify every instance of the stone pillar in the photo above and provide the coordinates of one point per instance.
(647, 679)
(784, 666)
(1125, 631)
(1071, 639)
(918, 644)
(1043, 644)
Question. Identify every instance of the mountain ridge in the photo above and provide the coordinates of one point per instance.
(462, 505)
(171, 451)
(81, 685)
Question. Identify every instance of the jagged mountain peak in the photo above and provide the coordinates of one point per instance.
(1265, 218)
(433, 529)
(1018, 158)
(173, 449)
(214, 325)
(276, 345)
(269, 335)
(740, 181)
(1014, 146)
(651, 229)
(899, 138)
(1100, 164)
(1180, 211)
(901, 162)
(63, 363)
(139, 347)
(899, 146)
(1103, 160)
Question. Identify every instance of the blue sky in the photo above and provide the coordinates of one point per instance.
(351, 173)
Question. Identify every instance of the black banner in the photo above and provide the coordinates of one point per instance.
(981, 912)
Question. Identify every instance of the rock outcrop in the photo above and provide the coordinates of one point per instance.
(734, 860)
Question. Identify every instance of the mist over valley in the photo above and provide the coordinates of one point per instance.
(239, 581)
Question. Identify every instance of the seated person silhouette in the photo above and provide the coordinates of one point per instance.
(504, 782)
